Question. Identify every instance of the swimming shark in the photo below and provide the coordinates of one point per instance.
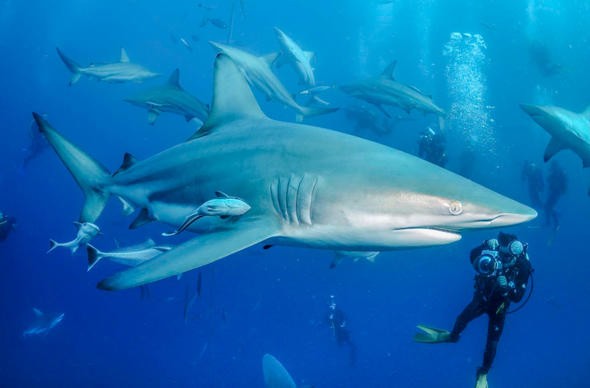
(293, 54)
(44, 323)
(122, 71)
(86, 232)
(568, 130)
(306, 186)
(172, 98)
(130, 256)
(258, 73)
(385, 90)
(275, 374)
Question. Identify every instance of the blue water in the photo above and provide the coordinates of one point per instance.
(275, 301)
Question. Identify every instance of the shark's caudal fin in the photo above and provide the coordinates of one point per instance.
(94, 255)
(71, 65)
(52, 245)
(90, 175)
(194, 253)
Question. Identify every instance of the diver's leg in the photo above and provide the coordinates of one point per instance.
(495, 328)
(469, 313)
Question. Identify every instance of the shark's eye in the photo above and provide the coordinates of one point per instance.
(455, 208)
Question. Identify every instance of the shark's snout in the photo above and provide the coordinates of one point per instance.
(533, 110)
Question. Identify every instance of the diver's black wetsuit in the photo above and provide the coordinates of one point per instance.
(337, 322)
(490, 298)
(6, 226)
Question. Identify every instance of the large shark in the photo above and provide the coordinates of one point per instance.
(385, 90)
(275, 374)
(306, 186)
(172, 98)
(568, 130)
(122, 71)
(293, 54)
(258, 73)
(44, 323)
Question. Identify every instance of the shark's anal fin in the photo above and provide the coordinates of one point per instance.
(553, 148)
(194, 253)
(389, 70)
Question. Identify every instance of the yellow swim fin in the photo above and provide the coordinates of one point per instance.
(482, 381)
(431, 335)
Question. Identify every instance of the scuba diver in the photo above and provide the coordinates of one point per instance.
(557, 183)
(337, 322)
(7, 224)
(502, 269)
(431, 146)
(533, 175)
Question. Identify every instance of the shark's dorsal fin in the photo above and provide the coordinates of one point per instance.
(174, 79)
(124, 56)
(271, 58)
(128, 161)
(221, 194)
(38, 313)
(388, 72)
(553, 147)
(232, 97)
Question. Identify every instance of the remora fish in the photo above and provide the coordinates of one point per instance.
(306, 186)
(122, 71)
(258, 73)
(44, 323)
(568, 130)
(385, 90)
(299, 59)
(130, 256)
(223, 206)
(86, 232)
(172, 98)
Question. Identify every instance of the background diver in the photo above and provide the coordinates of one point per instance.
(431, 146)
(337, 322)
(502, 269)
(7, 225)
(532, 174)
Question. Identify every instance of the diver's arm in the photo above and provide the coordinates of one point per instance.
(522, 278)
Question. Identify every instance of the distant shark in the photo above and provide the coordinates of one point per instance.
(385, 90)
(172, 98)
(44, 323)
(293, 54)
(122, 71)
(258, 73)
(306, 186)
(130, 256)
(568, 130)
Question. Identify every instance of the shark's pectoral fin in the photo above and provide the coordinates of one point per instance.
(553, 147)
(195, 253)
(153, 116)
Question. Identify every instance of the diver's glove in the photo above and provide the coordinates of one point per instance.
(502, 282)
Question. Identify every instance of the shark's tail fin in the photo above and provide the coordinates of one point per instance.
(90, 175)
(94, 255)
(307, 111)
(52, 245)
(71, 65)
